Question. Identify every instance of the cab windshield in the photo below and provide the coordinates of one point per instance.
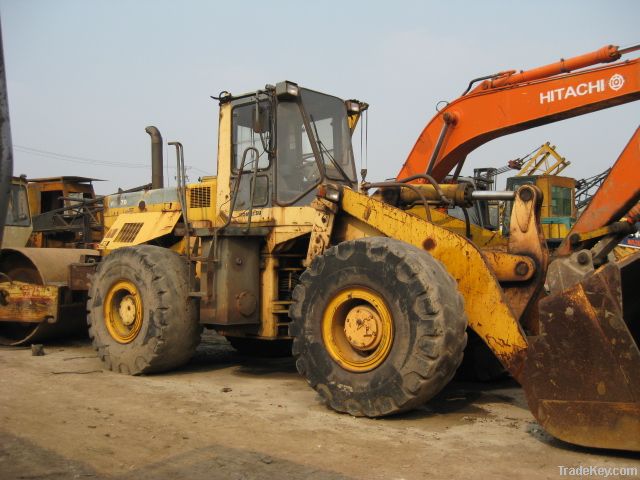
(325, 130)
(18, 211)
(328, 119)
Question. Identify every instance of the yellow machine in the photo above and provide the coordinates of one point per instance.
(64, 212)
(284, 245)
(545, 161)
(52, 223)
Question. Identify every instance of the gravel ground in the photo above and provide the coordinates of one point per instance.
(226, 416)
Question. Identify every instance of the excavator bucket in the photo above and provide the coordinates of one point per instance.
(581, 374)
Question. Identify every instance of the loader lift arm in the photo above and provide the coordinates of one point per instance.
(511, 102)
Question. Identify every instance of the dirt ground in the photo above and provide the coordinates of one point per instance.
(226, 416)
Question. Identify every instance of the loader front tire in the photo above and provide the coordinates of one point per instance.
(141, 318)
(378, 326)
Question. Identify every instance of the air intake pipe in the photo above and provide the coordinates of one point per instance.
(157, 179)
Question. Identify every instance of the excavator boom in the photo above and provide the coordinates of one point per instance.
(514, 102)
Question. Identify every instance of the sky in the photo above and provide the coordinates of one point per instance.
(85, 77)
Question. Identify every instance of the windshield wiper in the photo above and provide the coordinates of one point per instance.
(322, 147)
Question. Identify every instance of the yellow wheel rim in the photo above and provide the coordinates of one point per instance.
(357, 329)
(123, 311)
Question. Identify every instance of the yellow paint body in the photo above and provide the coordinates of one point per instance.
(153, 218)
(480, 236)
(546, 161)
(138, 228)
(285, 224)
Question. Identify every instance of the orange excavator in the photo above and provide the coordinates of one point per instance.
(581, 367)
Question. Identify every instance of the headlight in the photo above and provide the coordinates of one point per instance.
(287, 90)
(353, 106)
(332, 193)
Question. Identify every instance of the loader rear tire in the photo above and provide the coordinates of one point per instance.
(379, 326)
(141, 318)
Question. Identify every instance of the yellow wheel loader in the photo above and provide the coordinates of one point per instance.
(374, 286)
(284, 244)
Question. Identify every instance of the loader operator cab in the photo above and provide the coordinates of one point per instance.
(286, 141)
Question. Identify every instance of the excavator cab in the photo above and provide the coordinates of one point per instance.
(558, 212)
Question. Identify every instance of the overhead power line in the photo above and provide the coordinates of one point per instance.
(89, 161)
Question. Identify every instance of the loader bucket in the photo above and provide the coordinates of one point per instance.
(581, 374)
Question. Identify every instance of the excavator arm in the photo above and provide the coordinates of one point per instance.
(511, 102)
(615, 198)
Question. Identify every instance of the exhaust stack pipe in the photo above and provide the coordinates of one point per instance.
(157, 179)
